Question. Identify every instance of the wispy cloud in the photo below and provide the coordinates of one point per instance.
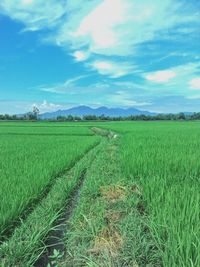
(27, 2)
(128, 45)
(81, 55)
(125, 99)
(112, 69)
(16, 107)
(121, 31)
(176, 78)
(63, 88)
(161, 76)
(35, 14)
(46, 106)
(195, 83)
(175, 103)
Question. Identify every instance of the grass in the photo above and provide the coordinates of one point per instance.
(88, 242)
(106, 229)
(162, 158)
(26, 243)
(139, 203)
(30, 163)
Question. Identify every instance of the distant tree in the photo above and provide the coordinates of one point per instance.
(34, 116)
(69, 118)
(77, 118)
(61, 118)
(104, 118)
(36, 112)
(90, 118)
(195, 116)
(181, 116)
(29, 116)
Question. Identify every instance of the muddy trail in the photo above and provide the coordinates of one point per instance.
(55, 242)
(35, 202)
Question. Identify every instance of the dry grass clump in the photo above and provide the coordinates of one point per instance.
(113, 216)
(109, 241)
(113, 193)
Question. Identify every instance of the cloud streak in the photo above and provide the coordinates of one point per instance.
(62, 88)
(125, 99)
(120, 32)
(35, 14)
(112, 69)
(129, 47)
(195, 83)
(46, 106)
(162, 76)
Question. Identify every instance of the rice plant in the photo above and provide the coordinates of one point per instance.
(30, 159)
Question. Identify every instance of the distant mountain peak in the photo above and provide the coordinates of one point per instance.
(103, 110)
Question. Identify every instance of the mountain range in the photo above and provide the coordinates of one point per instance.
(85, 110)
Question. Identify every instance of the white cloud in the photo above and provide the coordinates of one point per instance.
(46, 106)
(80, 55)
(98, 25)
(193, 97)
(105, 27)
(112, 69)
(100, 31)
(67, 87)
(117, 27)
(34, 14)
(125, 99)
(162, 76)
(21, 107)
(130, 85)
(27, 2)
(195, 83)
(178, 85)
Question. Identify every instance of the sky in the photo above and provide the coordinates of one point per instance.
(116, 53)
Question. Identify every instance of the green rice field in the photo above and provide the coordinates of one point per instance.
(31, 158)
(163, 159)
(138, 203)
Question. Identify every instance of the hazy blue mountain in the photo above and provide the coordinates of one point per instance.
(85, 110)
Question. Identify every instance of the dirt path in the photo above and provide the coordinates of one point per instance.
(88, 202)
(55, 242)
(26, 242)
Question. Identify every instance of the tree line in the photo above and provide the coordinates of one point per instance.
(29, 116)
(142, 117)
(34, 115)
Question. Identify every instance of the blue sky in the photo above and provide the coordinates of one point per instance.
(116, 53)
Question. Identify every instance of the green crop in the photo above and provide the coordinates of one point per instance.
(148, 177)
(31, 156)
(163, 158)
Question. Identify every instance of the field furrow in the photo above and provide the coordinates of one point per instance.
(126, 194)
(26, 244)
(29, 167)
